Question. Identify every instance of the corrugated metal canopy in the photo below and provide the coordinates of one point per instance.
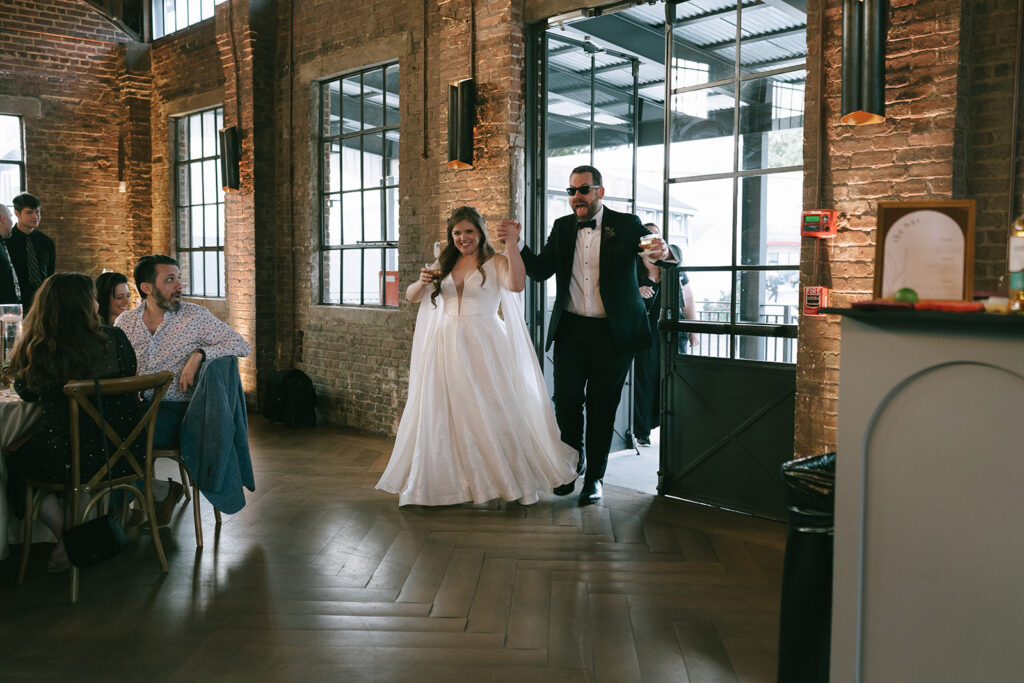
(772, 36)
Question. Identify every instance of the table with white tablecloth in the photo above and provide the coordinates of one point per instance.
(16, 418)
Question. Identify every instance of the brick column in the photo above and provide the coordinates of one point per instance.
(494, 185)
(908, 156)
(135, 86)
(235, 44)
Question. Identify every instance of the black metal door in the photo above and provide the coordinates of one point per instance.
(727, 425)
(733, 163)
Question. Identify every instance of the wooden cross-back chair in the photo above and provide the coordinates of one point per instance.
(191, 490)
(81, 399)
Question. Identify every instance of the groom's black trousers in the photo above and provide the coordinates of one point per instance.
(590, 373)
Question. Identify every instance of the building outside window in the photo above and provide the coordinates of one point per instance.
(359, 144)
(12, 158)
(174, 15)
(199, 202)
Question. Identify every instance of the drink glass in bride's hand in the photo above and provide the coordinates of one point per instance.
(434, 269)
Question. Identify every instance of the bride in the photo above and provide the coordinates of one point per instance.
(478, 423)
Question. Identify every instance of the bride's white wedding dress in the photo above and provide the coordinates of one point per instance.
(478, 423)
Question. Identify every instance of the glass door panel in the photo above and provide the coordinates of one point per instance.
(735, 110)
(767, 233)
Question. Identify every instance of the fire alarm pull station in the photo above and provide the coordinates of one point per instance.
(818, 223)
(815, 298)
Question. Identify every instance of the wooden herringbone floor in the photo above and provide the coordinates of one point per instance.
(321, 577)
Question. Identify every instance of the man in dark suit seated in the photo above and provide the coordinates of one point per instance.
(599, 320)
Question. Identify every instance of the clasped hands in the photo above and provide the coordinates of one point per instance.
(508, 232)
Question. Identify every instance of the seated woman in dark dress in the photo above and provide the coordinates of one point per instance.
(62, 340)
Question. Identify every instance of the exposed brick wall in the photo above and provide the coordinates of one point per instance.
(358, 359)
(498, 140)
(236, 45)
(908, 156)
(946, 136)
(48, 19)
(265, 134)
(135, 85)
(62, 69)
(991, 44)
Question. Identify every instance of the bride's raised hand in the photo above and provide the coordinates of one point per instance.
(508, 231)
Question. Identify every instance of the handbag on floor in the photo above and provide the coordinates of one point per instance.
(94, 541)
(101, 538)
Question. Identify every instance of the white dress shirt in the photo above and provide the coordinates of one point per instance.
(584, 290)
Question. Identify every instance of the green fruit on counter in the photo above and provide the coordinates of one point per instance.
(906, 295)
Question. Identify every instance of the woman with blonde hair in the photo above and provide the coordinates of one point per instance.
(478, 423)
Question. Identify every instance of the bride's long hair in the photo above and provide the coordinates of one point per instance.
(451, 253)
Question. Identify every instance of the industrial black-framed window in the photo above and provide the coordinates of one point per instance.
(174, 15)
(359, 145)
(199, 201)
(12, 157)
(736, 80)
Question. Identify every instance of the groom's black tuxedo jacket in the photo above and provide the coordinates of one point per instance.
(620, 291)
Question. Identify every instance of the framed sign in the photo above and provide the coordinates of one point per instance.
(927, 246)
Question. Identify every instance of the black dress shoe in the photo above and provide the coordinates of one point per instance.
(564, 489)
(643, 440)
(591, 492)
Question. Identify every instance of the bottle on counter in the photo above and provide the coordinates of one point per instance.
(1015, 264)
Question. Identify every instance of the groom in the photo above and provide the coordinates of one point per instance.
(599, 321)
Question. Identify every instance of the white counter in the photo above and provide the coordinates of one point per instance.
(929, 540)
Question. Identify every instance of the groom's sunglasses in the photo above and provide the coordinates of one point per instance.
(582, 189)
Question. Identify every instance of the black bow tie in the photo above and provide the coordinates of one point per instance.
(592, 223)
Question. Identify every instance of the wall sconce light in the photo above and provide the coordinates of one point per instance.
(229, 156)
(864, 28)
(461, 119)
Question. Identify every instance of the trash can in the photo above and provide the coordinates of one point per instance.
(805, 621)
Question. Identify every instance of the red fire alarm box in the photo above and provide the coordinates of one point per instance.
(815, 298)
(389, 286)
(818, 223)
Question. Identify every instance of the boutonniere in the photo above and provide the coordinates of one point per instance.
(607, 233)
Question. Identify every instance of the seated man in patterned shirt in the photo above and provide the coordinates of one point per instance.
(169, 334)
